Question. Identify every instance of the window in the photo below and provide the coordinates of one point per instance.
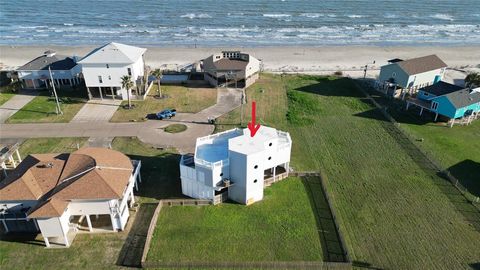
(269, 158)
(255, 167)
(221, 174)
(108, 66)
(270, 144)
(100, 80)
(109, 77)
(129, 70)
(434, 105)
(218, 57)
(425, 94)
(255, 181)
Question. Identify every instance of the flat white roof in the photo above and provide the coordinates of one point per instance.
(215, 148)
(246, 144)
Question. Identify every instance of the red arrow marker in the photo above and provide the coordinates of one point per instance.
(252, 126)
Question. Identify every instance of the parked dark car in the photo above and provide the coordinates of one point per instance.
(165, 114)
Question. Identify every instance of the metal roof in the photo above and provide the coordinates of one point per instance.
(113, 53)
(421, 64)
(441, 88)
(464, 98)
(56, 62)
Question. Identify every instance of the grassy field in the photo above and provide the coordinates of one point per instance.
(393, 212)
(183, 99)
(6, 93)
(280, 228)
(42, 108)
(456, 149)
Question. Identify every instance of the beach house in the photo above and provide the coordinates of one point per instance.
(451, 101)
(231, 68)
(63, 69)
(60, 195)
(233, 165)
(400, 77)
(104, 67)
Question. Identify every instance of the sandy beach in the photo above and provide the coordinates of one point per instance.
(314, 60)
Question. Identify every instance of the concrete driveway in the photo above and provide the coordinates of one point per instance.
(97, 111)
(14, 104)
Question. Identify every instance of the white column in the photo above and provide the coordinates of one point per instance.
(13, 161)
(66, 240)
(436, 116)
(5, 225)
(89, 222)
(132, 199)
(113, 222)
(18, 156)
(100, 90)
(4, 167)
(46, 241)
(34, 86)
(139, 177)
(421, 111)
(274, 172)
(136, 184)
(70, 81)
(113, 95)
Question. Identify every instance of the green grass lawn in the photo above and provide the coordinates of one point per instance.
(4, 97)
(393, 212)
(42, 108)
(181, 98)
(456, 149)
(175, 128)
(282, 227)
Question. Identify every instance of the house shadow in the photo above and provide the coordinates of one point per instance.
(21, 237)
(468, 174)
(330, 86)
(475, 266)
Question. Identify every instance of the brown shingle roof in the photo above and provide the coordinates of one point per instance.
(88, 173)
(421, 64)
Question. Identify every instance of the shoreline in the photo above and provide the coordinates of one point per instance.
(290, 59)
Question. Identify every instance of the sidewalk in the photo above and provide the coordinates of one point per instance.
(17, 102)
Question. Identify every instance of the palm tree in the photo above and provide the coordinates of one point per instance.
(157, 73)
(472, 80)
(127, 84)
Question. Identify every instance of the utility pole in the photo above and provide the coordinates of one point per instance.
(58, 110)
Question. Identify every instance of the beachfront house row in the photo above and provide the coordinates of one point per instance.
(60, 195)
(400, 77)
(104, 67)
(448, 100)
(234, 165)
(231, 68)
(63, 69)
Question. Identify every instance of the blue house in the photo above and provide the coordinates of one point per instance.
(449, 100)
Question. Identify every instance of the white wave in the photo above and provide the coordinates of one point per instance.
(33, 27)
(441, 16)
(312, 15)
(355, 16)
(390, 16)
(276, 15)
(68, 24)
(331, 15)
(196, 16)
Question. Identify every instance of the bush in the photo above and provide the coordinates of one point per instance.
(338, 73)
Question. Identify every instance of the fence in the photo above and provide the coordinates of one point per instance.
(426, 156)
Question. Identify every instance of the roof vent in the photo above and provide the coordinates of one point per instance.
(48, 165)
(49, 53)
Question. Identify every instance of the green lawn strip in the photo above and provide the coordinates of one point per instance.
(51, 145)
(181, 98)
(42, 109)
(4, 97)
(175, 128)
(282, 227)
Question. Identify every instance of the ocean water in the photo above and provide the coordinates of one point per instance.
(240, 23)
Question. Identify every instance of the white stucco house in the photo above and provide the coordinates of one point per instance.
(234, 165)
(408, 76)
(237, 68)
(104, 67)
(60, 195)
(36, 75)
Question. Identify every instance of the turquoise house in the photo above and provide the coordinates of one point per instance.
(448, 100)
